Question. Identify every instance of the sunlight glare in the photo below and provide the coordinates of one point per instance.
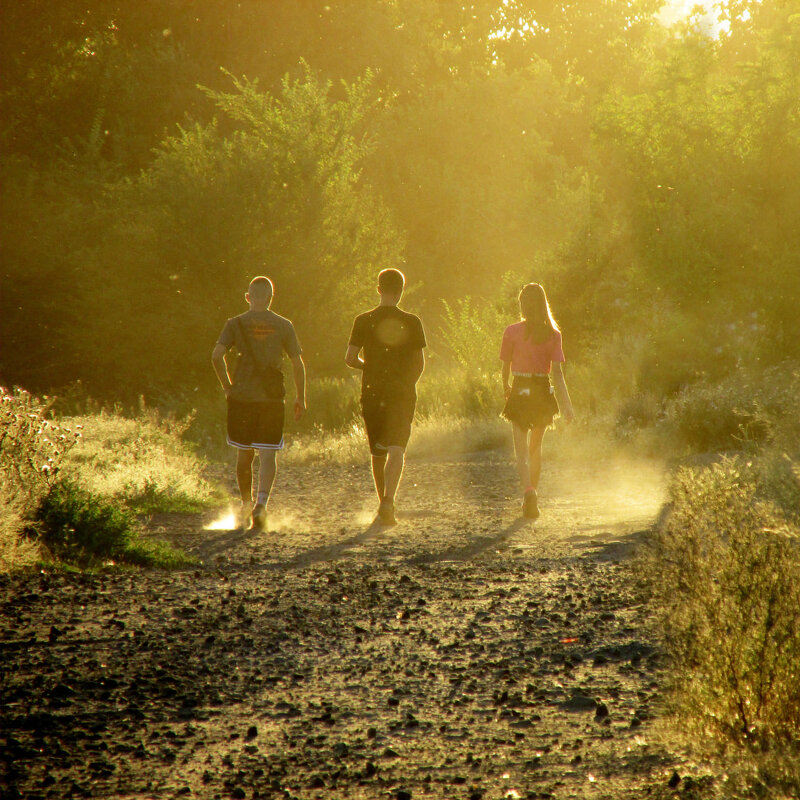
(676, 11)
(225, 522)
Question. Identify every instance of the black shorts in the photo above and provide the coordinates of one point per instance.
(388, 419)
(532, 403)
(255, 425)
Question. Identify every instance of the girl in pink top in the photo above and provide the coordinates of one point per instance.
(531, 349)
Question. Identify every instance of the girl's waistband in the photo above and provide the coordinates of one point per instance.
(531, 374)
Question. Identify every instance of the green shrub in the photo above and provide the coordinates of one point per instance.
(449, 392)
(82, 528)
(726, 572)
(335, 404)
(745, 410)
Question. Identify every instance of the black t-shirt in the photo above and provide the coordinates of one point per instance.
(390, 339)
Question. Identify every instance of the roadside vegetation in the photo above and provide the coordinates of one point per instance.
(71, 487)
(724, 569)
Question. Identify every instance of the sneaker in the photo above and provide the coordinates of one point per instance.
(386, 513)
(245, 514)
(530, 505)
(259, 522)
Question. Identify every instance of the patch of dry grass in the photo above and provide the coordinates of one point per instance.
(141, 461)
(16, 551)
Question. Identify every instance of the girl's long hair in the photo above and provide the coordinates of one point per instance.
(535, 310)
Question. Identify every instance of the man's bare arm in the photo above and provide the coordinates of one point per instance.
(221, 367)
(352, 357)
(417, 364)
(299, 375)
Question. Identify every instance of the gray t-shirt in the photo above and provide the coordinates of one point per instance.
(269, 336)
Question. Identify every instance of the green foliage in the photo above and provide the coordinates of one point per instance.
(82, 528)
(274, 188)
(335, 404)
(73, 483)
(726, 570)
(472, 332)
(447, 393)
(744, 410)
(649, 178)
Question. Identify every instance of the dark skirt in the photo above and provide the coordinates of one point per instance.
(532, 403)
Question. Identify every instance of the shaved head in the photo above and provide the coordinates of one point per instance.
(260, 288)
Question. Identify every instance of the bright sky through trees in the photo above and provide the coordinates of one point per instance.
(675, 11)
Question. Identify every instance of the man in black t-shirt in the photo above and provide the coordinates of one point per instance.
(391, 341)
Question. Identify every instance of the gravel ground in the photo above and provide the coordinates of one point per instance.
(464, 653)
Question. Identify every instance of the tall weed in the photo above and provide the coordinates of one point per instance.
(725, 568)
(32, 447)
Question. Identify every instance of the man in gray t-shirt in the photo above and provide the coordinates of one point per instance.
(254, 390)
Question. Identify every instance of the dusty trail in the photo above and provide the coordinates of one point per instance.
(464, 653)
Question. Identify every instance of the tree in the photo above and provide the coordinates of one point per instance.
(279, 193)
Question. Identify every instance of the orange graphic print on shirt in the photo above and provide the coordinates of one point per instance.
(261, 330)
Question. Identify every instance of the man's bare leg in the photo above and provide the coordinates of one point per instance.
(267, 469)
(244, 480)
(393, 471)
(378, 472)
(395, 461)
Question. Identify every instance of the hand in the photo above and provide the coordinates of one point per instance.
(569, 416)
(507, 391)
(299, 408)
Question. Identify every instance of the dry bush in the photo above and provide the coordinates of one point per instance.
(32, 451)
(32, 447)
(725, 568)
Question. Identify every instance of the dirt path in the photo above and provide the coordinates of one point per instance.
(462, 654)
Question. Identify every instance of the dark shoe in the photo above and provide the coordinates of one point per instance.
(530, 505)
(386, 513)
(259, 522)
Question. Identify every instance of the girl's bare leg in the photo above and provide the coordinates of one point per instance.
(535, 456)
(521, 452)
